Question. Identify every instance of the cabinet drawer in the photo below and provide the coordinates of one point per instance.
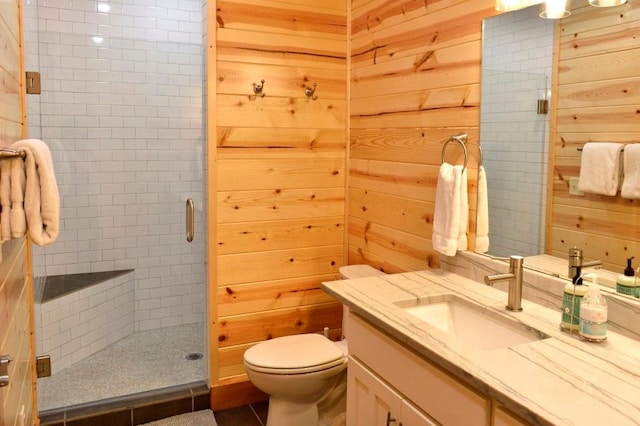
(441, 396)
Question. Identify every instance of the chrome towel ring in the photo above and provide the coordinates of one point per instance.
(461, 138)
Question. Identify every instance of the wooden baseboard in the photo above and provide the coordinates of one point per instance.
(235, 394)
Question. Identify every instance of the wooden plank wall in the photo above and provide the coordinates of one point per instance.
(16, 299)
(598, 91)
(415, 81)
(279, 172)
(18, 404)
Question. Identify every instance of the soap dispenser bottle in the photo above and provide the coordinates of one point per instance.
(571, 299)
(593, 316)
(626, 283)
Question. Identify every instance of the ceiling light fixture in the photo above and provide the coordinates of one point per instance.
(551, 9)
(607, 3)
(555, 9)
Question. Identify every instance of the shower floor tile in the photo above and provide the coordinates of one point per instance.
(140, 362)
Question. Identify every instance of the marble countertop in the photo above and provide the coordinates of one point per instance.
(560, 380)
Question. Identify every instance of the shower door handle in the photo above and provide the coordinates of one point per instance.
(190, 219)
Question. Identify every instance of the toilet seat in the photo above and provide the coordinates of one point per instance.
(297, 354)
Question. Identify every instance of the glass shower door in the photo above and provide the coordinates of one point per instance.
(121, 110)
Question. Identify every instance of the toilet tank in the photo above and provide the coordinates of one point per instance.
(358, 271)
(354, 271)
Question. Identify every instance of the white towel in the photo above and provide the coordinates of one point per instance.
(5, 200)
(464, 212)
(18, 185)
(41, 198)
(600, 168)
(447, 227)
(631, 181)
(482, 216)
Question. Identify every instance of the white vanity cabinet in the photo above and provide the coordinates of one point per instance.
(373, 402)
(387, 381)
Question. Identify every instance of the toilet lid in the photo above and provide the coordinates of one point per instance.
(294, 352)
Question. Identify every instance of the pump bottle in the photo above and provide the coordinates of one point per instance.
(571, 299)
(626, 282)
(593, 316)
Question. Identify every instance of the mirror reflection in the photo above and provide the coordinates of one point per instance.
(516, 70)
(596, 93)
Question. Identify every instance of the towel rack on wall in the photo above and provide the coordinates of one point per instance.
(461, 138)
(12, 153)
(581, 148)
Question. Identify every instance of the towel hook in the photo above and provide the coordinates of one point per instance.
(461, 138)
(257, 88)
(311, 91)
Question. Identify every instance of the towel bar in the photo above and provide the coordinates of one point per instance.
(580, 149)
(11, 153)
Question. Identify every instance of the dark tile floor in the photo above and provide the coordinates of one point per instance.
(247, 415)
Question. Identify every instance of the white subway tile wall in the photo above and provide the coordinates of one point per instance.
(517, 59)
(74, 326)
(121, 110)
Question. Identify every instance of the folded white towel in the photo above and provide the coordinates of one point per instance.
(447, 215)
(41, 198)
(631, 181)
(482, 216)
(600, 168)
(18, 184)
(5, 200)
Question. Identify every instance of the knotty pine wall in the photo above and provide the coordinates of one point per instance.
(281, 190)
(16, 290)
(598, 90)
(415, 81)
(280, 172)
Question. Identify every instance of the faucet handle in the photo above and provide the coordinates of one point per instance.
(516, 263)
(575, 256)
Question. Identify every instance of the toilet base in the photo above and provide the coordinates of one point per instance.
(330, 411)
(286, 413)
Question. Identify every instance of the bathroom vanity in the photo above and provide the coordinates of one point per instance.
(386, 381)
(407, 366)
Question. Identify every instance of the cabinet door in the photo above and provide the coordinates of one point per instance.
(370, 401)
(411, 416)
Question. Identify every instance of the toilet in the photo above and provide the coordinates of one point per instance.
(305, 375)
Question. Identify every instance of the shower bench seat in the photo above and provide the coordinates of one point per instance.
(77, 315)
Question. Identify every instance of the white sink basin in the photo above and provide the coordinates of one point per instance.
(469, 325)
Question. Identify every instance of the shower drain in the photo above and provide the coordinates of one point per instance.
(194, 356)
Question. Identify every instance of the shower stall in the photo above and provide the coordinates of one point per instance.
(121, 109)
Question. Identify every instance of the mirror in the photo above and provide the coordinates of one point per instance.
(517, 52)
(515, 149)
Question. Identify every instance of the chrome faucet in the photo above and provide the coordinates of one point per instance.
(514, 276)
(576, 264)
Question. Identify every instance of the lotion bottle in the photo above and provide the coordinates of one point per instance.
(593, 316)
(626, 283)
(571, 300)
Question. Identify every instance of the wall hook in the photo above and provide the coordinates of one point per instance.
(257, 88)
(311, 92)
